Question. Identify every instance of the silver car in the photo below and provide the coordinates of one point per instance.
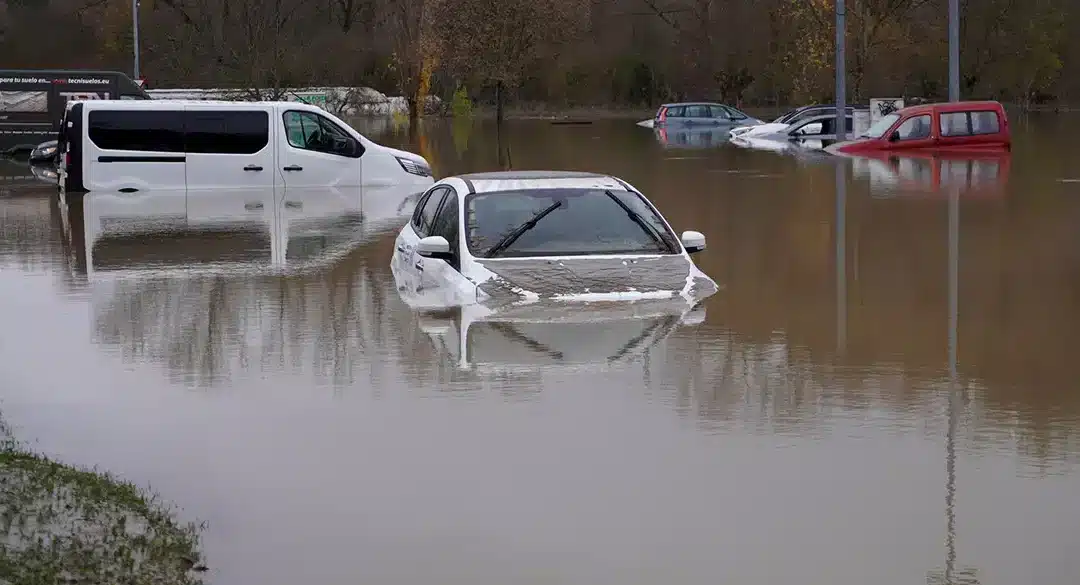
(701, 114)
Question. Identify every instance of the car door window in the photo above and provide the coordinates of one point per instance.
(808, 129)
(676, 112)
(310, 131)
(915, 128)
(424, 216)
(735, 114)
(445, 224)
(954, 124)
(718, 112)
(698, 112)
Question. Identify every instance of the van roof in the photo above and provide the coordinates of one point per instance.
(166, 103)
(952, 107)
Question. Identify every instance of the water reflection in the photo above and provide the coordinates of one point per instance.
(692, 138)
(868, 358)
(16, 174)
(206, 283)
(544, 334)
(929, 173)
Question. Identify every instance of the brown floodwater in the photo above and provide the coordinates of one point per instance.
(881, 392)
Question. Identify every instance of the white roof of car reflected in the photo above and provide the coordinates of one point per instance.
(525, 180)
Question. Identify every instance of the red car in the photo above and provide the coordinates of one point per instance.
(953, 126)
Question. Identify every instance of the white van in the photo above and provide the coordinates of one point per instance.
(130, 146)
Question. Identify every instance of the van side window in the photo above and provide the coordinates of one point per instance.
(425, 212)
(915, 128)
(954, 124)
(310, 131)
(226, 132)
(446, 225)
(141, 130)
(985, 122)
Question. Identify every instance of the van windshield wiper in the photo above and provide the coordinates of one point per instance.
(641, 221)
(512, 237)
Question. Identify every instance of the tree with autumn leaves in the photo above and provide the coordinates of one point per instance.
(563, 52)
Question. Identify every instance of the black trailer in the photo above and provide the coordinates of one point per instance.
(32, 101)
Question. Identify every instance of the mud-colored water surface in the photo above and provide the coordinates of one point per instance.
(882, 391)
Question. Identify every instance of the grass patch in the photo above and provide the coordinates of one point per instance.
(65, 525)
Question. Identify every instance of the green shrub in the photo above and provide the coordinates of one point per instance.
(461, 106)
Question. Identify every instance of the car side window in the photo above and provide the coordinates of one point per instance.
(809, 128)
(954, 124)
(985, 122)
(718, 112)
(446, 225)
(425, 212)
(310, 131)
(697, 112)
(735, 114)
(915, 128)
(676, 112)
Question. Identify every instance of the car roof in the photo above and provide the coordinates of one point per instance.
(675, 104)
(951, 107)
(520, 180)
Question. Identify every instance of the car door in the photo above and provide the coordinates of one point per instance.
(407, 265)
(229, 148)
(699, 115)
(913, 132)
(438, 274)
(314, 151)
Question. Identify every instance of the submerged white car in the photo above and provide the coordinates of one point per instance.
(526, 235)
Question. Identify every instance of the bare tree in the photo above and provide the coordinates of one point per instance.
(497, 41)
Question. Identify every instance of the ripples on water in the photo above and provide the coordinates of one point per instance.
(255, 365)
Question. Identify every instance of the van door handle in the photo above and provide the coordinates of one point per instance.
(293, 168)
(252, 168)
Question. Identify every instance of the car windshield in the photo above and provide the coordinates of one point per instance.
(878, 129)
(577, 222)
(787, 116)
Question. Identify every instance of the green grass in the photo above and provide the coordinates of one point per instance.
(64, 525)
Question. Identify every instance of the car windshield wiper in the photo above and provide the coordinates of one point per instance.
(512, 237)
(641, 221)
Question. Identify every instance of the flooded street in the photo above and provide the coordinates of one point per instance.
(882, 391)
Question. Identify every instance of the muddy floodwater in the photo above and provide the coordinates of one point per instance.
(884, 390)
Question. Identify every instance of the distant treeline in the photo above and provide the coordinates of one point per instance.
(564, 52)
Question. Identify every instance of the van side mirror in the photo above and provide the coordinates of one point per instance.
(894, 136)
(694, 242)
(356, 149)
(435, 247)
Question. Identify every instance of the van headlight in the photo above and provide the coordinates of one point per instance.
(414, 167)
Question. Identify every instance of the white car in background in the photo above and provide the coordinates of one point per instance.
(788, 120)
(520, 236)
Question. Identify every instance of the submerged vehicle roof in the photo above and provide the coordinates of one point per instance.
(517, 180)
(950, 107)
(672, 104)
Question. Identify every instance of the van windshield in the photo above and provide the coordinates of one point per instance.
(878, 129)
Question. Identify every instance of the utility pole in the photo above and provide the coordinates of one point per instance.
(954, 50)
(135, 34)
(841, 72)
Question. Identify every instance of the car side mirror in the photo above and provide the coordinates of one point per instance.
(894, 136)
(434, 247)
(694, 242)
(356, 149)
